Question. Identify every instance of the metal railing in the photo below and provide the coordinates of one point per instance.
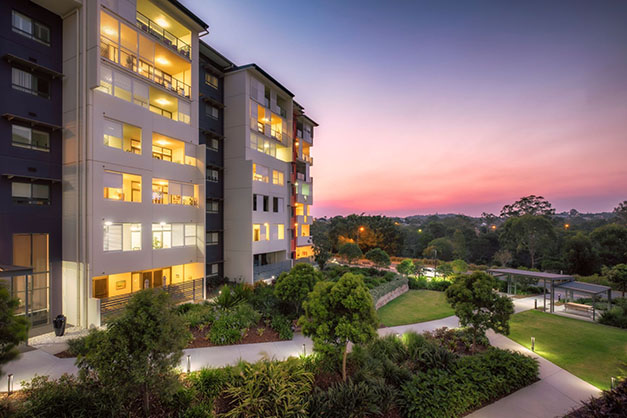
(186, 291)
(171, 41)
(127, 59)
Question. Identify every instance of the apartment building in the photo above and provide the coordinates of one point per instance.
(302, 186)
(213, 66)
(140, 157)
(30, 156)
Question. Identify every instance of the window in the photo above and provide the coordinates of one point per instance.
(25, 26)
(30, 193)
(161, 153)
(25, 137)
(275, 204)
(213, 175)
(278, 177)
(161, 235)
(254, 202)
(256, 232)
(212, 270)
(30, 83)
(122, 186)
(122, 136)
(280, 231)
(185, 111)
(31, 250)
(213, 206)
(260, 173)
(304, 230)
(212, 238)
(122, 86)
(190, 234)
(265, 203)
(262, 144)
(214, 144)
(212, 111)
(211, 80)
(122, 237)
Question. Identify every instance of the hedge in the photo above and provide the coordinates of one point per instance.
(385, 288)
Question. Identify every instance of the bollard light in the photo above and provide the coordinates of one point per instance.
(533, 343)
(612, 382)
(10, 384)
(189, 363)
(535, 304)
(304, 350)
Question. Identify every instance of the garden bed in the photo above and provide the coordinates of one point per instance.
(251, 336)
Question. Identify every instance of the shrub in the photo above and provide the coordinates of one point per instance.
(293, 287)
(418, 282)
(387, 287)
(264, 300)
(47, 398)
(283, 326)
(231, 325)
(439, 285)
(472, 381)
(352, 400)
(616, 317)
(229, 298)
(350, 251)
(197, 315)
(209, 383)
(379, 257)
(269, 389)
(610, 404)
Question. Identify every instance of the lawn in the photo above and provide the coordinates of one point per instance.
(593, 352)
(415, 306)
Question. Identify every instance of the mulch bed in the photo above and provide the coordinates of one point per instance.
(251, 337)
(64, 354)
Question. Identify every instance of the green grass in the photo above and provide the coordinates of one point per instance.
(593, 352)
(415, 306)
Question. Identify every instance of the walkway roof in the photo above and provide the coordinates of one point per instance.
(582, 287)
(540, 275)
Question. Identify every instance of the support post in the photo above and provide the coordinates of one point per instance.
(609, 299)
(552, 297)
(544, 295)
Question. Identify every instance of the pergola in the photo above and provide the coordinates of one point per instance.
(561, 281)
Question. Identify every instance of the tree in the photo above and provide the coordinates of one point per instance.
(321, 242)
(620, 212)
(478, 305)
(528, 205)
(406, 267)
(579, 255)
(350, 252)
(443, 246)
(379, 257)
(611, 243)
(618, 276)
(321, 256)
(444, 269)
(528, 233)
(137, 353)
(503, 257)
(339, 313)
(459, 266)
(13, 328)
(293, 287)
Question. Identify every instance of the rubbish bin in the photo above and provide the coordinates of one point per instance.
(58, 324)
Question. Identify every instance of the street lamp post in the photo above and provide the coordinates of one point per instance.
(435, 261)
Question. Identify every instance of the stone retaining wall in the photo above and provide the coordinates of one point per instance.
(383, 300)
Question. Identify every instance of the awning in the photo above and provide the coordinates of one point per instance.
(32, 122)
(212, 69)
(590, 288)
(7, 270)
(33, 66)
(211, 134)
(32, 178)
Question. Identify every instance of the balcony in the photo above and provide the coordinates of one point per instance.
(269, 270)
(168, 39)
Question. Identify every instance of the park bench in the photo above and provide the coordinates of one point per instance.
(578, 307)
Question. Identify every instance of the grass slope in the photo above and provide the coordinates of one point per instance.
(593, 352)
(415, 306)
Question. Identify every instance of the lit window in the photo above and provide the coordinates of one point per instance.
(122, 237)
(256, 232)
(30, 193)
(122, 136)
(277, 177)
(260, 173)
(304, 230)
(25, 137)
(25, 26)
(161, 236)
(280, 231)
(190, 234)
(122, 186)
(211, 80)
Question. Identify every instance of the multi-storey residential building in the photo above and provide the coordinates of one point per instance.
(211, 123)
(133, 168)
(302, 185)
(258, 153)
(30, 155)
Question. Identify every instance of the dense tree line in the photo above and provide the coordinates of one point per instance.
(527, 233)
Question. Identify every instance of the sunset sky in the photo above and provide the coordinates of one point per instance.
(436, 106)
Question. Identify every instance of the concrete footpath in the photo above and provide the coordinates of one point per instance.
(555, 394)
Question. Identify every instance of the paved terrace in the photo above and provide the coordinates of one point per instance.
(555, 394)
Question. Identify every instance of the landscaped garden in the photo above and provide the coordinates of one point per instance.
(593, 352)
(415, 306)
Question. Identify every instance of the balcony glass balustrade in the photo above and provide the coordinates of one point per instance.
(171, 41)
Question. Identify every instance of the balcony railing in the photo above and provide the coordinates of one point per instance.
(127, 59)
(171, 41)
(269, 270)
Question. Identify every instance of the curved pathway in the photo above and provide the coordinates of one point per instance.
(555, 394)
